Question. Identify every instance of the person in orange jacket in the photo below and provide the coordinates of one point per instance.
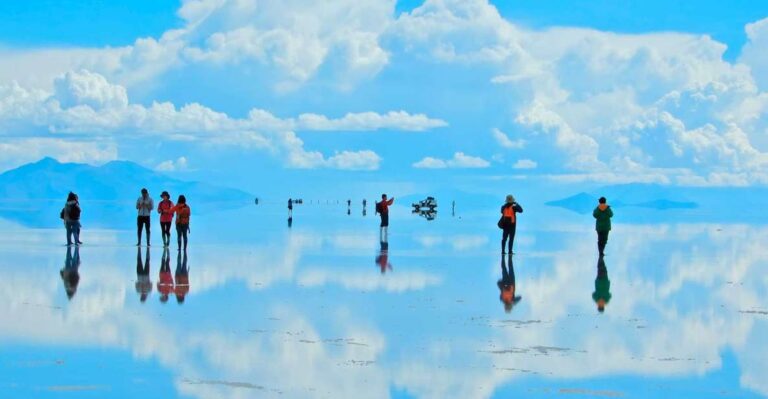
(382, 208)
(508, 222)
(182, 278)
(183, 213)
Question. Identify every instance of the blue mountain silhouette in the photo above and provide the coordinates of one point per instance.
(33, 193)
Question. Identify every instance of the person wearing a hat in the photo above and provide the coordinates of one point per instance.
(602, 215)
(508, 222)
(166, 217)
(144, 205)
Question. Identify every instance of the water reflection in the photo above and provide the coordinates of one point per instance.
(70, 274)
(182, 278)
(602, 294)
(382, 259)
(507, 284)
(165, 280)
(143, 282)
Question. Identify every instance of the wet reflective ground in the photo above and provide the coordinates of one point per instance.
(325, 309)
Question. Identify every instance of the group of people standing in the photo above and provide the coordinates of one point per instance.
(145, 206)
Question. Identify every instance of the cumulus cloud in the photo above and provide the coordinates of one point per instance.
(504, 141)
(171, 165)
(85, 103)
(459, 160)
(663, 104)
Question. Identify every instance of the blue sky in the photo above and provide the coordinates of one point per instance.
(568, 92)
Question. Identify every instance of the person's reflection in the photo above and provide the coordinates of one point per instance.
(143, 283)
(70, 274)
(165, 282)
(507, 284)
(182, 278)
(382, 259)
(602, 294)
(290, 222)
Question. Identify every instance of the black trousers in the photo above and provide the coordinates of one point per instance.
(508, 234)
(602, 240)
(142, 221)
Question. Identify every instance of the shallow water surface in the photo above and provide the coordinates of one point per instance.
(324, 308)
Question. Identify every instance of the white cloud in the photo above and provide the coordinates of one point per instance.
(85, 103)
(503, 140)
(525, 164)
(459, 160)
(170, 165)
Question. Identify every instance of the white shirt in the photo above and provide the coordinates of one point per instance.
(148, 206)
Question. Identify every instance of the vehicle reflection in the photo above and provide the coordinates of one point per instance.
(507, 284)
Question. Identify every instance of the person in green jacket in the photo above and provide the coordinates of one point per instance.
(602, 294)
(602, 215)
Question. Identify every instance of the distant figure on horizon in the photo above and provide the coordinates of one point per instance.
(166, 217)
(165, 280)
(382, 208)
(70, 274)
(70, 214)
(182, 278)
(290, 208)
(507, 284)
(602, 294)
(144, 205)
(602, 215)
(508, 222)
(365, 203)
(183, 214)
(143, 282)
(453, 208)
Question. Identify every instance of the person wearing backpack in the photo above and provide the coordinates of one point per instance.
(183, 213)
(70, 214)
(166, 217)
(508, 222)
(602, 215)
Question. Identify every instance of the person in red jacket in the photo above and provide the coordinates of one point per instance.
(166, 217)
(165, 279)
(508, 222)
(183, 213)
(382, 208)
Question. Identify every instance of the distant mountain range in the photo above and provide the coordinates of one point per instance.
(715, 204)
(32, 194)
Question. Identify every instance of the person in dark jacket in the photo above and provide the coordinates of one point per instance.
(143, 282)
(508, 224)
(70, 274)
(507, 284)
(602, 215)
(602, 294)
(71, 216)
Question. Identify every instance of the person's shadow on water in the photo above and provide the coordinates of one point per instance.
(382, 259)
(70, 274)
(182, 278)
(143, 283)
(507, 284)
(602, 294)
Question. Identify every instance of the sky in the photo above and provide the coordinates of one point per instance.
(255, 92)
